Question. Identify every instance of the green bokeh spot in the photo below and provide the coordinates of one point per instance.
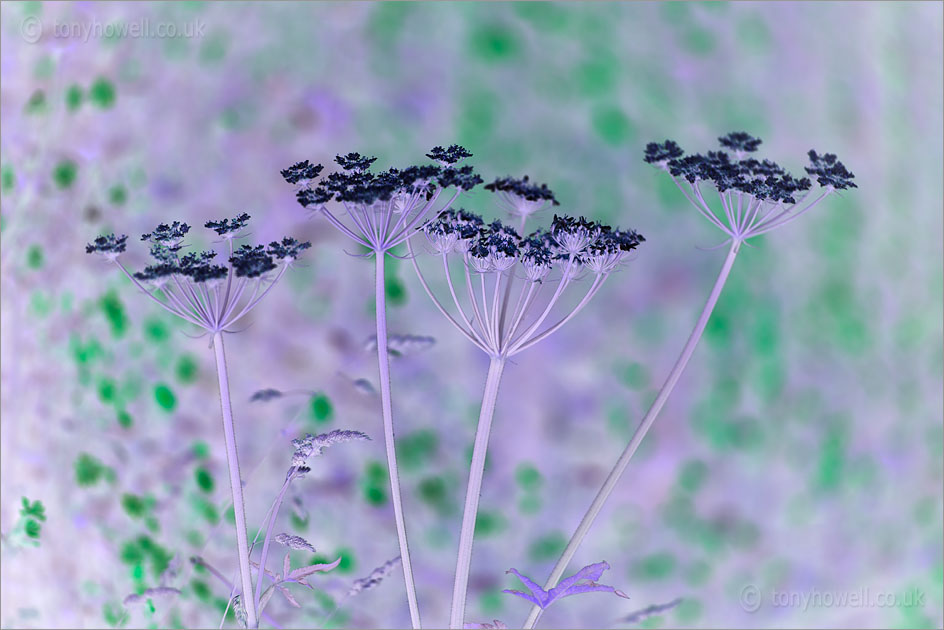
(493, 43)
(754, 34)
(657, 566)
(529, 504)
(64, 173)
(88, 470)
(489, 523)
(36, 103)
(156, 330)
(213, 49)
(395, 290)
(597, 76)
(201, 450)
(164, 397)
(124, 419)
(117, 195)
(187, 369)
(133, 505)
(692, 476)
(547, 547)
(321, 409)
(102, 93)
(528, 476)
(612, 125)
(831, 460)
(699, 41)
(435, 492)
(7, 178)
(416, 448)
(74, 97)
(374, 484)
(688, 610)
(114, 311)
(34, 256)
(204, 479)
(635, 376)
(107, 391)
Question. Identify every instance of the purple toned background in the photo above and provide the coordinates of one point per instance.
(801, 454)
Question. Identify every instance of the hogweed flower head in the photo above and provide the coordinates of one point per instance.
(493, 256)
(196, 286)
(521, 197)
(756, 196)
(382, 210)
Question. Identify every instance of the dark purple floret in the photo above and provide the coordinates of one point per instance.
(226, 227)
(668, 150)
(164, 233)
(161, 270)
(740, 141)
(165, 253)
(301, 171)
(463, 178)
(451, 155)
(354, 162)
(523, 188)
(251, 261)
(829, 171)
(107, 244)
(308, 197)
(288, 248)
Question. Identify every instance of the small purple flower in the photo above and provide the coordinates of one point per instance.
(583, 581)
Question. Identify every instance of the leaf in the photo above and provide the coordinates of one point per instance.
(288, 595)
(495, 625)
(151, 593)
(286, 565)
(266, 596)
(648, 611)
(302, 572)
(294, 542)
(401, 345)
(583, 581)
(376, 577)
(315, 444)
(265, 395)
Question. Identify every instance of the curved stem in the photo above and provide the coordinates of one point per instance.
(268, 538)
(383, 360)
(592, 291)
(651, 415)
(470, 334)
(476, 470)
(235, 482)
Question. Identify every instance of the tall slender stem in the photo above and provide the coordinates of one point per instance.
(651, 415)
(383, 360)
(235, 482)
(476, 470)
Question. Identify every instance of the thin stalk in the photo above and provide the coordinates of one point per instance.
(274, 513)
(383, 360)
(235, 482)
(651, 415)
(476, 470)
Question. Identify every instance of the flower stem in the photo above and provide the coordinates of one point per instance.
(268, 538)
(383, 360)
(476, 470)
(651, 415)
(235, 482)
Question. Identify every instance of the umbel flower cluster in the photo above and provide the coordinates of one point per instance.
(757, 196)
(385, 208)
(547, 261)
(195, 286)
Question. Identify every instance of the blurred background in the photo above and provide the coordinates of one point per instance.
(800, 454)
